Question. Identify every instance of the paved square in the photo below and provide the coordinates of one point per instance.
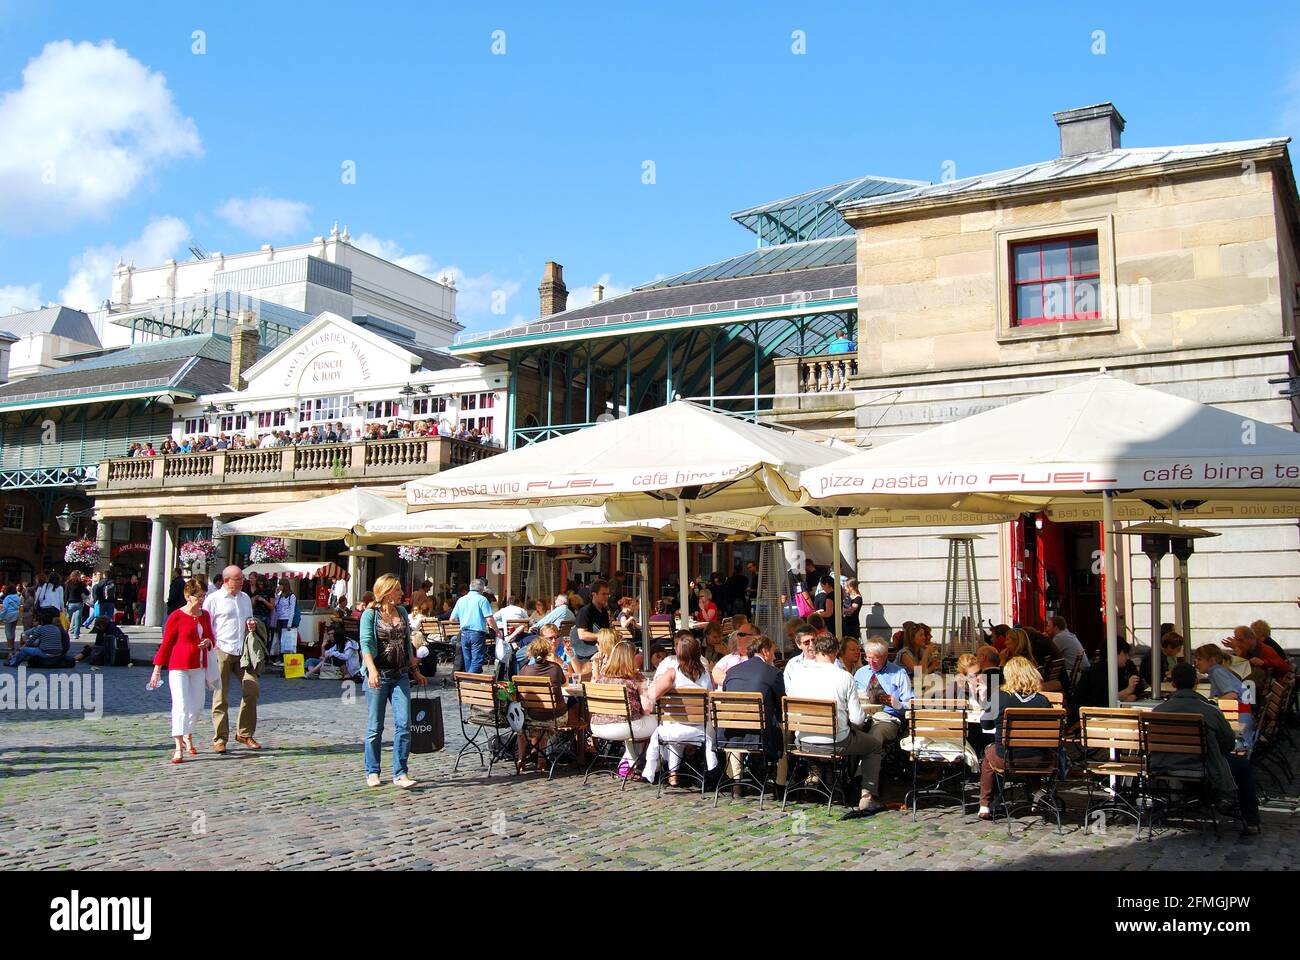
(99, 793)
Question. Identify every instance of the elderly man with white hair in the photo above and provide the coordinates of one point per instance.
(231, 611)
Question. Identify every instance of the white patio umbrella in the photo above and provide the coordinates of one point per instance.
(679, 455)
(1101, 438)
(340, 516)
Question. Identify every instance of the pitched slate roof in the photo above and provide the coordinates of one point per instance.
(60, 321)
(187, 365)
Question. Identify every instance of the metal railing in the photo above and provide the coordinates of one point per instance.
(388, 459)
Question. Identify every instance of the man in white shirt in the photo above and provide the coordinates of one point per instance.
(820, 679)
(232, 616)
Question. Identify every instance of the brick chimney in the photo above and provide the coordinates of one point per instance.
(244, 339)
(1089, 129)
(554, 294)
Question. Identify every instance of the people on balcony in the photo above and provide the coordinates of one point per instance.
(315, 434)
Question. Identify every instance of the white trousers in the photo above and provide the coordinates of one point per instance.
(188, 693)
(675, 736)
(642, 729)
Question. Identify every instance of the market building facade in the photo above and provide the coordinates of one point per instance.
(876, 308)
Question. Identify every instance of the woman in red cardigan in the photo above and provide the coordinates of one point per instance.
(187, 638)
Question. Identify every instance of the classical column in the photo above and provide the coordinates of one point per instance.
(224, 545)
(103, 536)
(156, 591)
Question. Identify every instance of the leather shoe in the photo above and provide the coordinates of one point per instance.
(218, 748)
(249, 742)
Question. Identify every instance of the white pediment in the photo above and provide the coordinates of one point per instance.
(329, 355)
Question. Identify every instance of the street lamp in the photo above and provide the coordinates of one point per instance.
(66, 518)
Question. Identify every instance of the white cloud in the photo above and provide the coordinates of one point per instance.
(14, 298)
(267, 217)
(88, 123)
(90, 281)
(482, 300)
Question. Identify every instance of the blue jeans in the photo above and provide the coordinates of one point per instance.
(399, 692)
(473, 645)
(76, 612)
(35, 654)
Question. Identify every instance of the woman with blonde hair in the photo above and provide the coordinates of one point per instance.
(620, 668)
(606, 639)
(1017, 645)
(1021, 686)
(390, 665)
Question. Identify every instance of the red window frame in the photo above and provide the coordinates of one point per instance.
(1068, 278)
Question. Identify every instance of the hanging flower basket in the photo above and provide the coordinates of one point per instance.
(417, 554)
(202, 550)
(83, 552)
(267, 550)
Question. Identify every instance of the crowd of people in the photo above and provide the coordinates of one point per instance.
(69, 605)
(230, 628)
(318, 433)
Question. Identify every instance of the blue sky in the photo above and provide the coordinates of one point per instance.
(488, 164)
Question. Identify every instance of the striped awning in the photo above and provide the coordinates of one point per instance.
(298, 571)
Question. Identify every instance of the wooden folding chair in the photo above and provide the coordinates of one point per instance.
(816, 718)
(477, 696)
(937, 737)
(609, 699)
(744, 718)
(538, 697)
(1111, 740)
(1038, 729)
(688, 705)
(1182, 735)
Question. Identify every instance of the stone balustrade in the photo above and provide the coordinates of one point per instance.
(394, 460)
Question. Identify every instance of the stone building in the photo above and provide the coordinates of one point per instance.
(1173, 267)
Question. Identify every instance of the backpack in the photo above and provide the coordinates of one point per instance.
(119, 650)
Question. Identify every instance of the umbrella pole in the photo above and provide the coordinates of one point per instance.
(1108, 567)
(835, 575)
(683, 571)
(354, 571)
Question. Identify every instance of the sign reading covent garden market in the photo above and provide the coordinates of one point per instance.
(327, 360)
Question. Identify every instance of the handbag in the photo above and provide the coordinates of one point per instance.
(427, 734)
(289, 640)
(802, 604)
(212, 669)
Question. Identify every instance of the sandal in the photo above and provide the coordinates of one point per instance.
(176, 757)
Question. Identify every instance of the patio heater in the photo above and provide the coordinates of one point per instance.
(961, 596)
(1160, 538)
(769, 600)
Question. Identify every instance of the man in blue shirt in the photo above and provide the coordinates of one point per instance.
(474, 614)
(889, 685)
(558, 613)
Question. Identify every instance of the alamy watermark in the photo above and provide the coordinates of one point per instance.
(45, 690)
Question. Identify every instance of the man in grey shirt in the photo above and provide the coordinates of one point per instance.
(1067, 647)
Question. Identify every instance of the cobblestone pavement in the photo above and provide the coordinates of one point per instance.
(98, 793)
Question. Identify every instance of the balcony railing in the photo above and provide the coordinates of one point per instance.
(387, 459)
(817, 383)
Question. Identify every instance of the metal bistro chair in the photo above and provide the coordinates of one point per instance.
(610, 700)
(1267, 753)
(743, 716)
(538, 696)
(1038, 729)
(479, 711)
(1182, 735)
(813, 718)
(937, 737)
(1116, 735)
(687, 705)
